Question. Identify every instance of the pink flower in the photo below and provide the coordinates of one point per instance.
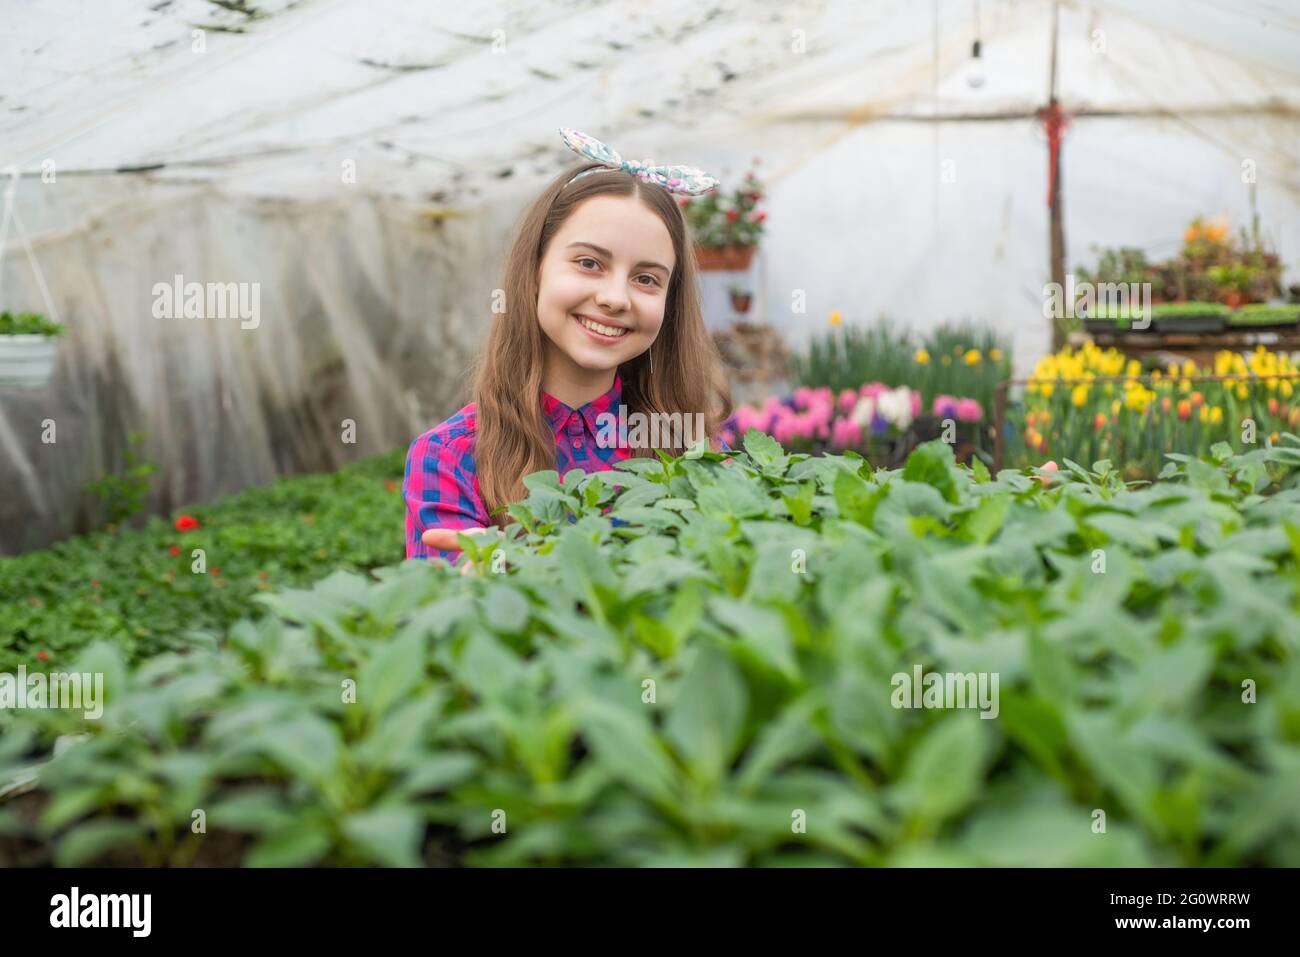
(848, 399)
(873, 389)
(968, 410)
(846, 433)
(944, 407)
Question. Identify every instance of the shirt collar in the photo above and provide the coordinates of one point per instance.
(557, 413)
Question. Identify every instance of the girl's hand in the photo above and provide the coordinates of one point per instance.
(444, 539)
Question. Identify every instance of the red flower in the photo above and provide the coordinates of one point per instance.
(733, 215)
(759, 217)
(95, 583)
(186, 523)
(216, 570)
(175, 550)
(263, 575)
(43, 655)
(390, 485)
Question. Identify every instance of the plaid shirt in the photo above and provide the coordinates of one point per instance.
(441, 483)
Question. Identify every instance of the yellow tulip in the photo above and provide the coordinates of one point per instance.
(1079, 396)
(973, 357)
(1242, 391)
(836, 318)
(1286, 388)
(922, 357)
(995, 355)
(1216, 415)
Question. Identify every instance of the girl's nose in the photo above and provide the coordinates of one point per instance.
(612, 296)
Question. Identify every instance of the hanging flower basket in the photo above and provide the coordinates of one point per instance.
(729, 258)
(28, 345)
(27, 361)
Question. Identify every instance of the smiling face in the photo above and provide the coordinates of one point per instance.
(609, 263)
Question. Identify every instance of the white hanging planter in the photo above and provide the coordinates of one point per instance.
(27, 361)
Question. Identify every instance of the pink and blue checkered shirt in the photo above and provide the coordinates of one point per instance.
(441, 485)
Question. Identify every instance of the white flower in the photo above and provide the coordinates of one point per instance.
(896, 407)
(863, 412)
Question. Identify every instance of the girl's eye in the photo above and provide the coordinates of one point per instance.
(654, 280)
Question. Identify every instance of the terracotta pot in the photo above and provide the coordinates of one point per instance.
(728, 258)
(1233, 298)
(741, 303)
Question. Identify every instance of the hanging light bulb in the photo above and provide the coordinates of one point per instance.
(975, 67)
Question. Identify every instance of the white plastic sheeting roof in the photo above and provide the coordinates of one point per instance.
(237, 139)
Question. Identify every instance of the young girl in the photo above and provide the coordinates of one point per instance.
(601, 310)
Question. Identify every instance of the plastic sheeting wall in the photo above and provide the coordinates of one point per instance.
(366, 313)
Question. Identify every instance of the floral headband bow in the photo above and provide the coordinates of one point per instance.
(675, 179)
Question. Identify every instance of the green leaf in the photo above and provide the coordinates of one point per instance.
(627, 749)
(946, 769)
(389, 836)
(87, 843)
(396, 667)
(933, 464)
(801, 504)
(300, 844)
(505, 609)
(855, 499)
(307, 746)
(708, 713)
(766, 452)
(985, 521)
(762, 631)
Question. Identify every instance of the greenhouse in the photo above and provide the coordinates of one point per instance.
(338, 527)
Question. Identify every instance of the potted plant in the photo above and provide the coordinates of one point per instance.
(726, 226)
(741, 297)
(1234, 281)
(28, 342)
(1106, 320)
(1189, 316)
(1264, 314)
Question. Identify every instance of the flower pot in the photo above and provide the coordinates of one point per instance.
(724, 258)
(741, 303)
(27, 361)
(1105, 326)
(1210, 322)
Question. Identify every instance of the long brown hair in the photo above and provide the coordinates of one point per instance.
(512, 436)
